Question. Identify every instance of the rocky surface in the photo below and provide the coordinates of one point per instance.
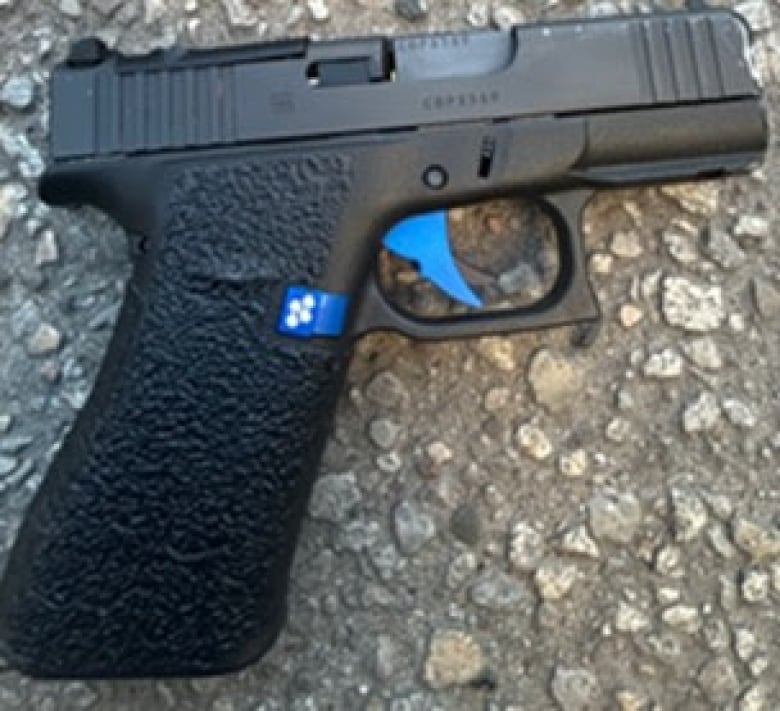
(572, 519)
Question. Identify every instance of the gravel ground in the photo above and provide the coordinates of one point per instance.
(505, 523)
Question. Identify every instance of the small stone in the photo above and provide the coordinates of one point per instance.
(618, 429)
(716, 634)
(498, 351)
(626, 245)
(71, 8)
(668, 561)
(754, 585)
(632, 701)
(766, 297)
(412, 10)
(667, 595)
(506, 17)
(318, 10)
(47, 250)
(690, 306)
(702, 414)
(703, 352)
(239, 14)
(720, 542)
(753, 699)
(554, 379)
(728, 592)
(389, 462)
(684, 618)
(719, 681)
(699, 198)
(737, 322)
(497, 399)
(775, 572)
(5, 422)
(630, 620)
(11, 195)
(465, 524)
(755, 540)
(413, 527)
(738, 413)
(577, 541)
(615, 517)
(758, 665)
(575, 689)
(574, 464)
(721, 504)
(689, 514)
(522, 279)
(723, 250)
(555, 578)
(602, 8)
(454, 659)
(386, 389)
(478, 14)
(496, 590)
(630, 315)
(752, 226)
(461, 569)
(7, 465)
(383, 432)
(334, 496)
(667, 363)
(680, 246)
(534, 442)
(438, 453)
(744, 643)
(18, 93)
(526, 546)
(601, 263)
(46, 340)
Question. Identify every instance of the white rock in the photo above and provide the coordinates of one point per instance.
(18, 93)
(615, 517)
(454, 659)
(534, 442)
(629, 619)
(680, 246)
(755, 585)
(703, 352)
(334, 496)
(47, 250)
(478, 14)
(756, 540)
(555, 578)
(71, 8)
(702, 414)
(600, 263)
(630, 315)
(626, 245)
(667, 363)
(738, 413)
(499, 351)
(689, 514)
(722, 249)
(682, 617)
(752, 226)
(692, 307)
(45, 341)
(318, 10)
(526, 546)
(506, 16)
(700, 198)
(577, 541)
(239, 13)
(744, 643)
(11, 196)
(574, 464)
(574, 689)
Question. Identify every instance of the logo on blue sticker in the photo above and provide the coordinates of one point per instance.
(308, 313)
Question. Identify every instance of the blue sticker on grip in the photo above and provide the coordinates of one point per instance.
(308, 313)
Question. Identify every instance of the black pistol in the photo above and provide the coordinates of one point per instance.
(259, 184)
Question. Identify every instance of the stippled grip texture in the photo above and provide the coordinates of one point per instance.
(161, 540)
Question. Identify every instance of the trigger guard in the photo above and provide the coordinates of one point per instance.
(570, 300)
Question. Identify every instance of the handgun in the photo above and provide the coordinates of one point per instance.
(258, 185)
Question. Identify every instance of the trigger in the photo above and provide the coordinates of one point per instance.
(424, 239)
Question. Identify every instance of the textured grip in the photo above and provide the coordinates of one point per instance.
(161, 540)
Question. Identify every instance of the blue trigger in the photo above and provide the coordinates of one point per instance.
(424, 239)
